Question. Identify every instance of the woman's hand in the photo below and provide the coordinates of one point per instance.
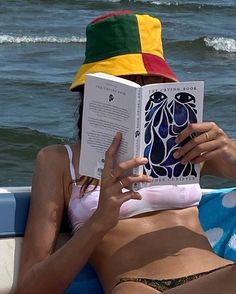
(112, 183)
(209, 142)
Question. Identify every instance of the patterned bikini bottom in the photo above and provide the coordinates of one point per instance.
(162, 285)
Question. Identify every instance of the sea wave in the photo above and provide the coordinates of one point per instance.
(8, 39)
(26, 81)
(180, 5)
(187, 4)
(219, 44)
(19, 147)
(26, 137)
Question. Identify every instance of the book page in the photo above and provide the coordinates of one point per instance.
(167, 110)
(109, 107)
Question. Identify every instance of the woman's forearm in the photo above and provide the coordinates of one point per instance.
(55, 273)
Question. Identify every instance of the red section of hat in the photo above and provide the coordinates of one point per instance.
(157, 66)
(114, 13)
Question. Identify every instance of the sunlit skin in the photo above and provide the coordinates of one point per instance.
(163, 244)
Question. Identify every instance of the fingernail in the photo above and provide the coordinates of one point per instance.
(150, 179)
(144, 160)
(183, 161)
(176, 154)
(136, 195)
(139, 197)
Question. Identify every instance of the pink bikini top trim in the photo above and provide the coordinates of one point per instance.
(154, 198)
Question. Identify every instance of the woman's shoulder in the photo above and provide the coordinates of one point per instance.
(58, 149)
(52, 152)
(56, 155)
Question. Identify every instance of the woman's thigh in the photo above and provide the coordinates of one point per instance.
(133, 287)
(218, 282)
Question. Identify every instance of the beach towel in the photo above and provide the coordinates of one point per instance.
(217, 213)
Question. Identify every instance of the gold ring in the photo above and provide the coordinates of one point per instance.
(207, 136)
(111, 174)
(122, 185)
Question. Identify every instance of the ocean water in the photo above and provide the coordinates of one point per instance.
(42, 45)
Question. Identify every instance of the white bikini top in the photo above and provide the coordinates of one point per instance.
(154, 198)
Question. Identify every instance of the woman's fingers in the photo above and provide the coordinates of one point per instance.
(111, 173)
(110, 154)
(108, 211)
(119, 199)
(203, 151)
(116, 179)
(124, 166)
(196, 147)
(115, 184)
(197, 129)
(129, 195)
(206, 156)
(127, 182)
(207, 138)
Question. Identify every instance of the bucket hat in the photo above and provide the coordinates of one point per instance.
(124, 43)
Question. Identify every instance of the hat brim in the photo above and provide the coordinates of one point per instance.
(127, 64)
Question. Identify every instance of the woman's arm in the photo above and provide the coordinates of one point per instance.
(211, 147)
(41, 270)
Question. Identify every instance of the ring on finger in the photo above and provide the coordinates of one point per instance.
(111, 174)
(122, 185)
(207, 136)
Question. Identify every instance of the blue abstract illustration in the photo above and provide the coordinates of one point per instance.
(163, 122)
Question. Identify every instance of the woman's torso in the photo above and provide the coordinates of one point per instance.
(164, 244)
(157, 244)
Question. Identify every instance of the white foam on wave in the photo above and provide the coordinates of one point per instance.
(221, 44)
(7, 39)
(163, 3)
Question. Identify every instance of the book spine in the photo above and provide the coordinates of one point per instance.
(137, 147)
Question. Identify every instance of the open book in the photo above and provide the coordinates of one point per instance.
(149, 117)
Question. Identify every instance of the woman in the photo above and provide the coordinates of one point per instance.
(151, 252)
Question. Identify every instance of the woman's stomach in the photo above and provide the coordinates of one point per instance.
(164, 244)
